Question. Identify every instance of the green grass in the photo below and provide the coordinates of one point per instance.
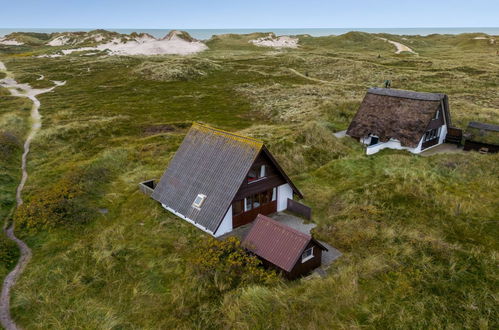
(14, 114)
(418, 235)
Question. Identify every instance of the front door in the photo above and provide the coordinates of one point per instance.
(374, 140)
(245, 211)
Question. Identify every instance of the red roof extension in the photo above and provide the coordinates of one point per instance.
(277, 243)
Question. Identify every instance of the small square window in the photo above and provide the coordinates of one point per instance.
(198, 202)
(307, 254)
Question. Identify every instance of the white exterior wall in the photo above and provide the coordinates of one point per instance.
(226, 225)
(189, 220)
(443, 134)
(395, 144)
(392, 144)
(283, 193)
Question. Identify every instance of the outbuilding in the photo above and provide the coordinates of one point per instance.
(284, 248)
(482, 137)
(219, 180)
(400, 119)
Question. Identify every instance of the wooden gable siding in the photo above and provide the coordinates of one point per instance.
(306, 267)
(273, 179)
(299, 269)
(435, 123)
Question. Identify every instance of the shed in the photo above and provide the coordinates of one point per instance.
(482, 137)
(288, 250)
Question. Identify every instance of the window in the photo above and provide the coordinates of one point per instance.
(238, 207)
(307, 254)
(257, 200)
(263, 171)
(431, 134)
(257, 173)
(198, 202)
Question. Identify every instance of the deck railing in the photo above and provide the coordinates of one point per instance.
(299, 209)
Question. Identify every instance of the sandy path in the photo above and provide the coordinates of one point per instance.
(21, 90)
(400, 47)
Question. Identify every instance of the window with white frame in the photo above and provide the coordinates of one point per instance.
(198, 202)
(257, 173)
(307, 254)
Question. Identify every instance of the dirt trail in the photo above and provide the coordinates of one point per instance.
(400, 47)
(21, 90)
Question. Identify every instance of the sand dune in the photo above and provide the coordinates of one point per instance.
(276, 42)
(173, 43)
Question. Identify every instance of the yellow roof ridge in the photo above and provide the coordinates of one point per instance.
(231, 135)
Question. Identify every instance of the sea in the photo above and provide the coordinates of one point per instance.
(204, 34)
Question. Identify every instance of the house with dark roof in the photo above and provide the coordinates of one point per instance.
(281, 247)
(482, 137)
(399, 119)
(219, 180)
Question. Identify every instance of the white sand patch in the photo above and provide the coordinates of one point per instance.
(98, 37)
(59, 41)
(49, 55)
(276, 42)
(400, 47)
(145, 45)
(492, 41)
(10, 42)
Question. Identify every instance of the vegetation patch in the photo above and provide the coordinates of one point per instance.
(176, 69)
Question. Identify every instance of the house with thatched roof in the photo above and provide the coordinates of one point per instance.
(283, 248)
(219, 180)
(399, 119)
(482, 137)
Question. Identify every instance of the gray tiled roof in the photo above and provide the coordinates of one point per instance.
(210, 162)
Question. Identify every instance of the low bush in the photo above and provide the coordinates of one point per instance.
(58, 204)
(225, 265)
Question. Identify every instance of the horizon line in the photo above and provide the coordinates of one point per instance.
(248, 28)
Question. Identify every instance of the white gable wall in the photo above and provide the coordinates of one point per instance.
(226, 225)
(283, 193)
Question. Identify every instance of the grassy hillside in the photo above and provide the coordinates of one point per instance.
(418, 235)
(14, 113)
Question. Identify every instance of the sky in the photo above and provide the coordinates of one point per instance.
(213, 14)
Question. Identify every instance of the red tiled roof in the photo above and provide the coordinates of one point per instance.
(277, 243)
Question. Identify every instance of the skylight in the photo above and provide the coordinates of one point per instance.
(198, 202)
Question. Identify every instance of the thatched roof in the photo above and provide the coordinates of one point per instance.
(484, 133)
(397, 114)
(211, 162)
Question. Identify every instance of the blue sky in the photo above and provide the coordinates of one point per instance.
(210, 14)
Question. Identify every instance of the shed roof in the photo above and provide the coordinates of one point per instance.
(211, 162)
(399, 114)
(482, 132)
(277, 243)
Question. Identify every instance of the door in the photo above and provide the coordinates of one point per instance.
(374, 140)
